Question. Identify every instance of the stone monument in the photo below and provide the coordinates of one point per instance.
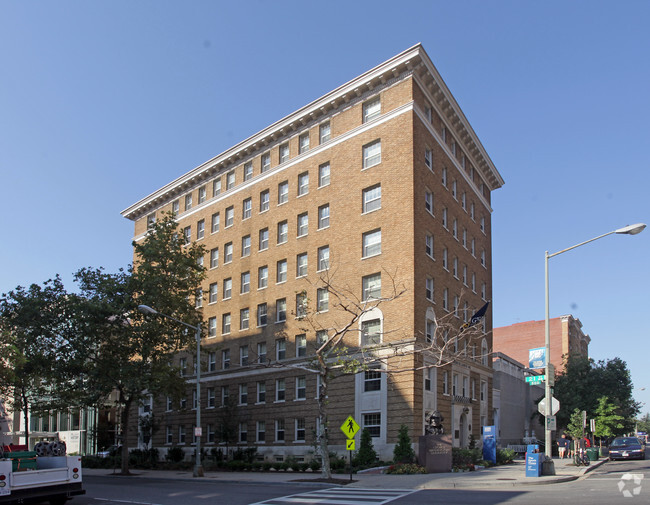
(434, 445)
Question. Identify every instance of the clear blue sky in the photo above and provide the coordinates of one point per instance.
(103, 102)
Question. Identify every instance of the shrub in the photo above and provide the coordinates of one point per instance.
(406, 468)
(403, 452)
(267, 465)
(314, 464)
(175, 455)
(505, 456)
(465, 458)
(366, 456)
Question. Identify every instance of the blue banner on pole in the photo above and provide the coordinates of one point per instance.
(537, 358)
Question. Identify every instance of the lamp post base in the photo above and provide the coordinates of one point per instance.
(548, 467)
(198, 471)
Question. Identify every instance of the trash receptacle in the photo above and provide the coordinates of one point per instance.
(592, 453)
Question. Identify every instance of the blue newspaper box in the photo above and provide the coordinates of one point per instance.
(534, 464)
(489, 444)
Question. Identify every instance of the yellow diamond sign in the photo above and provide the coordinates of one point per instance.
(350, 427)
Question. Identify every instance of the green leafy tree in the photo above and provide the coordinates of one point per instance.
(403, 451)
(119, 350)
(574, 427)
(366, 455)
(643, 423)
(609, 422)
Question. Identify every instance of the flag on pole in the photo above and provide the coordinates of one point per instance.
(478, 315)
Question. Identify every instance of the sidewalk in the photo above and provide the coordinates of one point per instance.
(500, 476)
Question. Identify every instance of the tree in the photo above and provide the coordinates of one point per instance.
(33, 332)
(574, 427)
(643, 423)
(608, 421)
(117, 348)
(403, 451)
(366, 455)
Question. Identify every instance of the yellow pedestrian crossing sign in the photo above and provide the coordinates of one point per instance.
(349, 444)
(350, 427)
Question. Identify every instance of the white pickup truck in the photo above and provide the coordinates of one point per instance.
(55, 479)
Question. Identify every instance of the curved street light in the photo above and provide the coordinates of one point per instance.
(632, 229)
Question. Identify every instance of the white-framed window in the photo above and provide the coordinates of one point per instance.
(301, 346)
(372, 422)
(283, 192)
(371, 332)
(284, 153)
(303, 183)
(428, 158)
(225, 359)
(212, 327)
(281, 349)
(454, 384)
(227, 252)
(454, 186)
(281, 310)
(483, 257)
(227, 288)
(301, 304)
(430, 330)
(245, 283)
(243, 394)
(261, 392)
(303, 224)
(212, 401)
(371, 287)
(445, 299)
(261, 315)
(456, 304)
(445, 382)
(455, 267)
(225, 323)
(322, 300)
(371, 199)
(465, 390)
(444, 177)
(324, 132)
(230, 216)
(279, 430)
(428, 113)
(323, 258)
(444, 134)
(301, 265)
(283, 232)
(243, 433)
(483, 290)
(245, 246)
(371, 243)
(187, 234)
(181, 434)
(453, 147)
(216, 220)
(182, 365)
(261, 432)
(429, 288)
(324, 175)
(265, 162)
(198, 300)
(247, 208)
(301, 388)
(321, 337)
(471, 211)
(428, 245)
(454, 228)
(200, 229)
(371, 109)
(212, 360)
(444, 217)
(372, 154)
(244, 318)
(445, 259)
(463, 200)
(214, 257)
(484, 395)
(176, 207)
(428, 201)
(243, 355)
(230, 180)
(473, 282)
(199, 261)
(323, 216)
(262, 277)
(483, 224)
(281, 271)
(188, 201)
(303, 143)
(216, 187)
(264, 239)
(300, 430)
(280, 390)
(248, 170)
(169, 437)
(265, 200)
(261, 352)
(465, 238)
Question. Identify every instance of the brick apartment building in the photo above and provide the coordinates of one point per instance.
(566, 334)
(381, 175)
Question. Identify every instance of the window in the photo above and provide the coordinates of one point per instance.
(372, 154)
(372, 422)
(216, 187)
(245, 246)
(453, 147)
(301, 265)
(323, 258)
(230, 180)
(463, 200)
(465, 238)
(181, 434)
(281, 271)
(370, 332)
(428, 245)
(427, 379)
(371, 199)
(214, 258)
(225, 324)
(198, 299)
(473, 282)
(454, 228)
(322, 300)
(230, 216)
(456, 304)
(444, 217)
(483, 391)
(301, 388)
(244, 318)
(444, 177)
(428, 201)
(371, 380)
(321, 337)
(248, 170)
(283, 232)
(281, 348)
(243, 434)
(473, 248)
(262, 277)
(445, 261)
(444, 134)
(300, 430)
(430, 330)
(227, 288)
(212, 327)
(371, 286)
(454, 384)
(429, 288)
(283, 192)
(445, 299)
(212, 361)
(187, 234)
(243, 394)
(182, 365)
(264, 239)
(371, 109)
(455, 267)
(227, 253)
(245, 283)
(261, 314)
(265, 162)
(301, 346)
(483, 257)
(371, 242)
(281, 310)
(199, 261)
(303, 183)
(225, 359)
(211, 398)
(301, 304)
(465, 275)
(324, 175)
(324, 133)
(483, 224)
(280, 390)
(261, 352)
(323, 216)
(279, 430)
(303, 143)
(303, 224)
(428, 158)
(175, 207)
(151, 220)
(483, 290)
(243, 355)
(261, 431)
(471, 211)
(265, 200)
(453, 189)
(261, 392)
(188, 201)
(284, 153)
(216, 220)
(445, 383)
(247, 208)
(202, 194)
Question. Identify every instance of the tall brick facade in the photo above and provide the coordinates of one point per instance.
(382, 177)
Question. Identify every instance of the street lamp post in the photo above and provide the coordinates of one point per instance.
(626, 230)
(145, 309)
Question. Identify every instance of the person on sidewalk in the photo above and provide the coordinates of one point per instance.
(563, 445)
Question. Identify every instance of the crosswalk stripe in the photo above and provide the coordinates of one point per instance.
(340, 496)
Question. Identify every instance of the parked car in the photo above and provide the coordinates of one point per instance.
(626, 448)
